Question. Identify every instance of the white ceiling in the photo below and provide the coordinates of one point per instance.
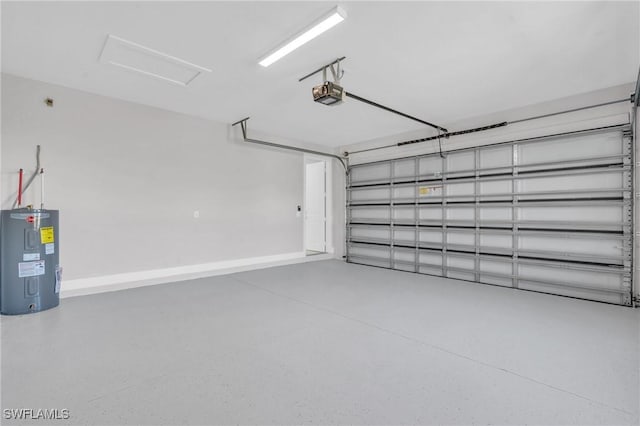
(438, 61)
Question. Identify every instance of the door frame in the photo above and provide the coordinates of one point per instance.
(328, 205)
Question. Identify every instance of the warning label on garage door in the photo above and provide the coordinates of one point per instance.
(429, 190)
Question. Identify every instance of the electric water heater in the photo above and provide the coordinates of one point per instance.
(30, 272)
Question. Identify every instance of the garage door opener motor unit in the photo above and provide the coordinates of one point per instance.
(30, 272)
(329, 93)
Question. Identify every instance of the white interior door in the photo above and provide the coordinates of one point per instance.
(315, 207)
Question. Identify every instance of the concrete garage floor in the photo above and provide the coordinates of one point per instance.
(325, 343)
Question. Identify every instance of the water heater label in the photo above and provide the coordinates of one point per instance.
(26, 257)
(49, 248)
(30, 269)
(46, 235)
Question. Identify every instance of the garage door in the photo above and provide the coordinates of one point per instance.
(550, 214)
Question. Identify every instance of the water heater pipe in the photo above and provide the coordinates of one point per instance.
(32, 177)
(41, 189)
(20, 187)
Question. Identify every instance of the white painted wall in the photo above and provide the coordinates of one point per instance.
(127, 179)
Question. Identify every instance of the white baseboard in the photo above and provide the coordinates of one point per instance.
(85, 286)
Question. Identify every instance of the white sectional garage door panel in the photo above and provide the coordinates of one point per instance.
(552, 215)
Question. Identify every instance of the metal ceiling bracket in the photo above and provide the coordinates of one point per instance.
(324, 70)
(243, 125)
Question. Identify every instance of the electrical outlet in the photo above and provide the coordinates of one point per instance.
(196, 214)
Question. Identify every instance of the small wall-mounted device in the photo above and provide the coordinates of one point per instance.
(328, 93)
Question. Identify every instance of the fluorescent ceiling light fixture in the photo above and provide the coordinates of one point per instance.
(143, 60)
(327, 21)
